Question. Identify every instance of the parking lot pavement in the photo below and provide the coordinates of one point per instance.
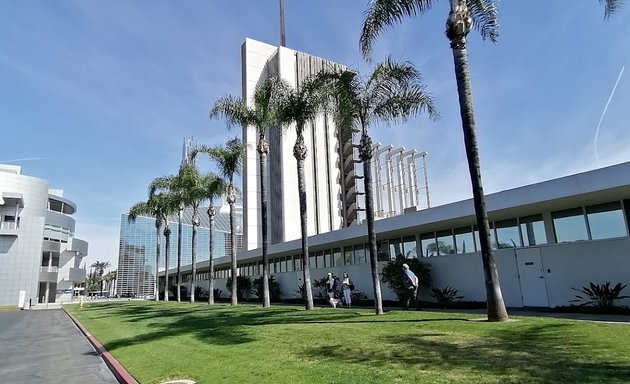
(46, 347)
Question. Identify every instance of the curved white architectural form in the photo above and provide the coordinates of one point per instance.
(39, 256)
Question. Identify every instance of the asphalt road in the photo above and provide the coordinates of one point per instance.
(45, 346)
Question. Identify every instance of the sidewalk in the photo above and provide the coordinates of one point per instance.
(44, 346)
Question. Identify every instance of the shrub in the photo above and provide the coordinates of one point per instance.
(300, 290)
(243, 285)
(183, 291)
(445, 296)
(601, 296)
(358, 296)
(274, 288)
(392, 274)
(200, 293)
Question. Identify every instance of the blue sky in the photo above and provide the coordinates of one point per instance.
(97, 96)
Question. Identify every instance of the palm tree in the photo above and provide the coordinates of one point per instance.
(214, 189)
(300, 106)
(91, 281)
(158, 207)
(393, 92)
(229, 160)
(173, 195)
(110, 279)
(236, 111)
(463, 14)
(99, 270)
(196, 188)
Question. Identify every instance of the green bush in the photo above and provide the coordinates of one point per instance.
(392, 274)
(243, 285)
(601, 296)
(445, 296)
(274, 288)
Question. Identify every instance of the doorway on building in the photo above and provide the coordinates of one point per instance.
(531, 277)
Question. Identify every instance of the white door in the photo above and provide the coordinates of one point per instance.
(532, 277)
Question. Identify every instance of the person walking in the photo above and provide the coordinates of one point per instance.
(348, 286)
(331, 290)
(410, 281)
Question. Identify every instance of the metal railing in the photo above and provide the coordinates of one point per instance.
(49, 269)
(8, 225)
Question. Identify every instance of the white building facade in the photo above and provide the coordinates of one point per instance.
(333, 171)
(39, 256)
(548, 237)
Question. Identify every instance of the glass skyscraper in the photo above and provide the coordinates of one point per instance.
(136, 257)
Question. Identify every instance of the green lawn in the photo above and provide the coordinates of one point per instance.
(285, 344)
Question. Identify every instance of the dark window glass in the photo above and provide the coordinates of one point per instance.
(533, 230)
(464, 242)
(606, 221)
(569, 225)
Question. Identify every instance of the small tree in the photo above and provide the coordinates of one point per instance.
(274, 289)
(244, 286)
(392, 274)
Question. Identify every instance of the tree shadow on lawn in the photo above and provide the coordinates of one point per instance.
(210, 324)
(540, 354)
(218, 324)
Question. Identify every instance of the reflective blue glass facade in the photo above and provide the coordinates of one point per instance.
(137, 249)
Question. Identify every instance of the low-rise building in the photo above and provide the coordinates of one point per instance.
(40, 258)
(548, 239)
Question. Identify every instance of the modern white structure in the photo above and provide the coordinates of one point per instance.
(39, 256)
(322, 164)
(333, 172)
(549, 238)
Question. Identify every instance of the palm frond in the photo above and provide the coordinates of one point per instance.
(266, 100)
(138, 209)
(161, 184)
(382, 14)
(398, 92)
(347, 90)
(611, 6)
(234, 110)
(229, 159)
(485, 15)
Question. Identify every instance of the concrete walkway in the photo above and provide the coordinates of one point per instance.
(45, 346)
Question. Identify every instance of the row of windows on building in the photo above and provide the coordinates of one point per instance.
(57, 234)
(594, 222)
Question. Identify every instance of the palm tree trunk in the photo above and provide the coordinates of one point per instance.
(458, 26)
(211, 214)
(263, 149)
(299, 151)
(178, 279)
(156, 285)
(231, 200)
(167, 252)
(193, 255)
(365, 153)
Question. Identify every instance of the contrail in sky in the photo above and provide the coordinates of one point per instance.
(25, 159)
(604, 113)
